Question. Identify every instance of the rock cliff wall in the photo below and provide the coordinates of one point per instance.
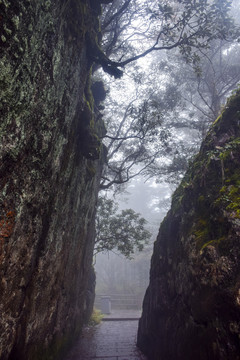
(192, 306)
(49, 170)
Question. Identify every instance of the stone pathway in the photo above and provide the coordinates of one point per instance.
(111, 340)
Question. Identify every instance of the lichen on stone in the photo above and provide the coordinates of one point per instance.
(191, 300)
(47, 180)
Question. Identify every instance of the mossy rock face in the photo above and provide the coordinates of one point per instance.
(50, 164)
(192, 306)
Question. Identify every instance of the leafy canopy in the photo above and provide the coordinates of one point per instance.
(134, 29)
(125, 231)
(156, 128)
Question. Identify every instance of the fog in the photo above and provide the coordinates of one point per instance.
(156, 115)
(114, 273)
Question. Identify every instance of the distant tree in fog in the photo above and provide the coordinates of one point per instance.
(124, 232)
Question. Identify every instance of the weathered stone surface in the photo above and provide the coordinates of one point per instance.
(192, 306)
(49, 171)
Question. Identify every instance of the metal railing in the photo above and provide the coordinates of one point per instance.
(120, 302)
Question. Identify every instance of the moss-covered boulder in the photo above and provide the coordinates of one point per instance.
(192, 306)
(49, 173)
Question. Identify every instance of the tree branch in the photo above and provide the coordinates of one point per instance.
(114, 16)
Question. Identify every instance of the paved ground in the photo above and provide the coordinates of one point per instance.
(111, 340)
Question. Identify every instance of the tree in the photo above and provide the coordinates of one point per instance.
(205, 87)
(200, 94)
(143, 135)
(125, 231)
(138, 139)
(148, 134)
(130, 26)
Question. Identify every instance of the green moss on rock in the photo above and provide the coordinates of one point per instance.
(212, 181)
(50, 165)
(193, 295)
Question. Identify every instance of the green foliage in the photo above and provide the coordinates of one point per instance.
(187, 25)
(125, 231)
(209, 194)
(156, 133)
(96, 317)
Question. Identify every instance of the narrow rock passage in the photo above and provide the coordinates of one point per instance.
(111, 340)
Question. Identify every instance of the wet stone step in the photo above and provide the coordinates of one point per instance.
(110, 340)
